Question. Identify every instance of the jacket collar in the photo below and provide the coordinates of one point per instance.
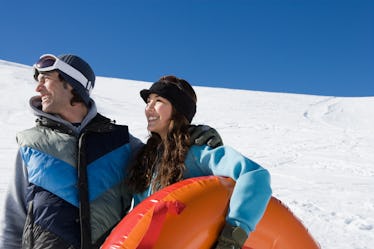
(55, 120)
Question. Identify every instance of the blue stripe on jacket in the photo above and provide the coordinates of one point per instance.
(60, 178)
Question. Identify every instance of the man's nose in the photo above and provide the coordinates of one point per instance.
(39, 84)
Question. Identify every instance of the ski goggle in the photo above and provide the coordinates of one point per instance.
(49, 62)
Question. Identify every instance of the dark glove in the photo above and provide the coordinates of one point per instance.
(231, 238)
(203, 134)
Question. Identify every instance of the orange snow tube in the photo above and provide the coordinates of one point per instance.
(190, 215)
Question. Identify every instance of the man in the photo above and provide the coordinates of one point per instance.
(68, 189)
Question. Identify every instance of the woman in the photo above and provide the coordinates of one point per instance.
(169, 157)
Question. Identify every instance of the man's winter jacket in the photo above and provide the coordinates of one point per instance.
(68, 190)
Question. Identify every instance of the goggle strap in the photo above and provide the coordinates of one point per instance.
(72, 72)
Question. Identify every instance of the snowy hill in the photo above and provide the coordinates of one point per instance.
(318, 149)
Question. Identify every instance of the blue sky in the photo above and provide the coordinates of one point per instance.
(321, 47)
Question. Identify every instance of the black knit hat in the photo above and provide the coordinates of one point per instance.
(180, 94)
(83, 67)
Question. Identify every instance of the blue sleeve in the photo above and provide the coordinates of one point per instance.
(252, 190)
(14, 213)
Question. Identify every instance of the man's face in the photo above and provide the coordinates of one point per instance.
(55, 94)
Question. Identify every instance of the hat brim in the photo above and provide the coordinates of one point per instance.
(145, 94)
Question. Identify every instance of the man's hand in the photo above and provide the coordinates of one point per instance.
(204, 134)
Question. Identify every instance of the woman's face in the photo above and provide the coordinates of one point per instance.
(158, 112)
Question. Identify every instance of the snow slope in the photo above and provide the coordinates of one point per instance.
(318, 149)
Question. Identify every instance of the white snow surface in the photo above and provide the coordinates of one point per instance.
(318, 149)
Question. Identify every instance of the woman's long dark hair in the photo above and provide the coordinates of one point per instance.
(162, 162)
